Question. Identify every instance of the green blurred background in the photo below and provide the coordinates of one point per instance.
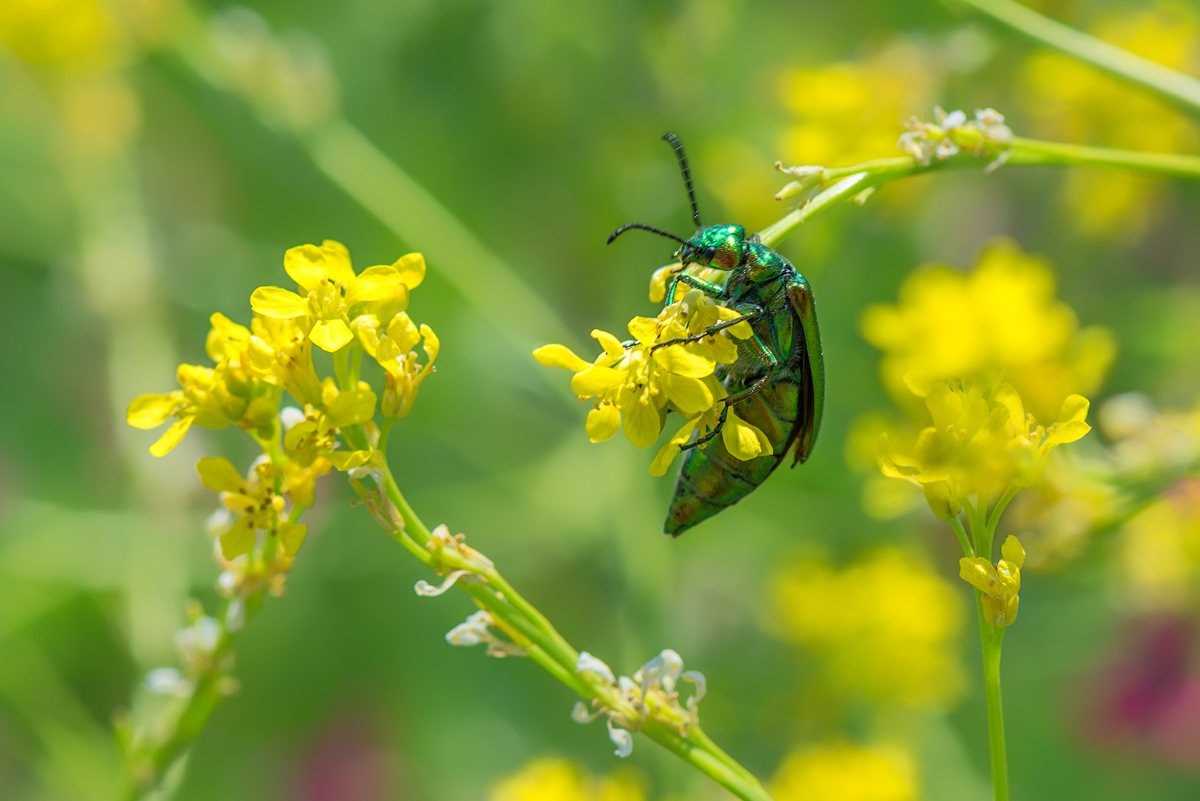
(143, 188)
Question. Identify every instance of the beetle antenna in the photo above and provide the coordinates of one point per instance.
(687, 174)
(645, 227)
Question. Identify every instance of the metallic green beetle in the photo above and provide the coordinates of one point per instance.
(778, 380)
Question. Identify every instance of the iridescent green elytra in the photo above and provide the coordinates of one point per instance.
(778, 380)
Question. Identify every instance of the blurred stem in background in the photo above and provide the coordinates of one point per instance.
(1168, 84)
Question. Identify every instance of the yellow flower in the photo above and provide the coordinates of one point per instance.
(980, 441)
(230, 393)
(1070, 101)
(332, 291)
(551, 779)
(254, 502)
(1001, 316)
(79, 35)
(316, 436)
(636, 383)
(884, 603)
(846, 772)
(999, 583)
(393, 351)
(1157, 564)
(280, 352)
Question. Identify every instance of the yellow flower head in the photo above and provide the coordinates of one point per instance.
(254, 502)
(886, 602)
(1001, 316)
(999, 583)
(333, 293)
(213, 397)
(846, 772)
(637, 382)
(394, 352)
(980, 440)
(315, 437)
(551, 779)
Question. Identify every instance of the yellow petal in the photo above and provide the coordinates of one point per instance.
(1008, 396)
(596, 381)
(918, 383)
(350, 407)
(560, 356)
(297, 433)
(411, 268)
(696, 362)
(941, 500)
(172, 437)
(151, 411)
(740, 330)
(348, 460)
(1013, 551)
(305, 265)
(238, 540)
(404, 332)
(1074, 408)
(219, 475)
(642, 423)
(375, 283)
(743, 440)
(272, 301)
(330, 335)
(690, 395)
(945, 405)
(337, 262)
(291, 537)
(658, 284)
(978, 572)
(644, 329)
(432, 345)
(612, 346)
(667, 453)
(603, 423)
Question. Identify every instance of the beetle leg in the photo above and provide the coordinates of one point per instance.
(772, 362)
(712, 329)
(707, 287)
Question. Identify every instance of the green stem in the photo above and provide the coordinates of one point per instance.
(556, 656)
(991, 639)
(841, 183)
(963, 540)
(1001, 505)
(1168, 84)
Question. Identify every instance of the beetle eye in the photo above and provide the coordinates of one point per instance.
(709, 253)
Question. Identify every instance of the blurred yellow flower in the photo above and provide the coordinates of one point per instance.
(886, 603)
(551, 779)
(1071, 101)
(981, 441)
(1157, 564)
(79, 35)
(999, 583)
(846, 772)
(850, 111)
(1001, 316)
(637, 382)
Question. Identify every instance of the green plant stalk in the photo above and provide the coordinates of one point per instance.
(548, 649)
(991, 639)
(1183, 90)
(841, 183)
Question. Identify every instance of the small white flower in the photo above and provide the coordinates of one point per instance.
(423, 587)
(629, 688)
(168, 681)
(697, 678)
(472, 632)
(290, 416)
(621, 738)
(227, 583)
(581, 714)
(664, 669)
(955, 119)
(590, 664)
(442, 536)
(945, 149)
(988, 117)
(235, 615)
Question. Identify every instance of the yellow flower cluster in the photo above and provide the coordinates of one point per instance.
(1071, 101)
(848, 112)
(846, 772)
(980, 441)
(887, 602)
(998, 583)
(255, 504)
(636, 383)
(1003, 315)
(552, 779)
(253, 365)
